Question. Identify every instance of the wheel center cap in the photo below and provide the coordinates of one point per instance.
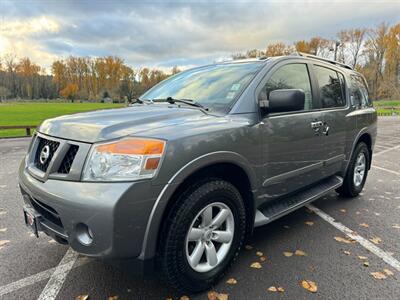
(208, 234)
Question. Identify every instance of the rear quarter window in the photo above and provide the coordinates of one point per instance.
(359, 92)
(331, 87)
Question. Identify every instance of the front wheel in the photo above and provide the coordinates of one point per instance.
(357, 172)
(204, 232)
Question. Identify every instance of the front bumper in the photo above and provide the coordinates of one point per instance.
(116, 213)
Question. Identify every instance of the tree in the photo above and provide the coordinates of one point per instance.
(70, 91)
(277, 49)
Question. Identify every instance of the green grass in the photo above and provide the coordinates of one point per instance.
(13, 114)
(387, 103)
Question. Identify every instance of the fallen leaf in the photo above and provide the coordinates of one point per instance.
(388, 272)
(376, 240)
(256, 265)
(286, 226)
(341, 239)
(3, 229)
(288, 254)
(113, 298)
(82, 297)
(366, 264)
(346, 252)
(343, 210)
(52, 241)
(362, 257)
(231, 281)
(263, 258)
(3, 212)
(377, 214)
(300, 253)
(364, 225)
(281, 289)
(259, 253)
(184, 297)
(357, 213)
(309, 223)
(248, 247)
(272, 289)
(378, 275)
(212, 295)
(4, 242)
(309, 285)
(397, 226)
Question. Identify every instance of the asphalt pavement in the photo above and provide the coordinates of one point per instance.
(342, 267)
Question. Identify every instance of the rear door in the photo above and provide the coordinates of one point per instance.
(292, 149)
(331, 89)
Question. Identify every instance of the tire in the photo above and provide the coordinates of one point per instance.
(350, 187)
(185, 214)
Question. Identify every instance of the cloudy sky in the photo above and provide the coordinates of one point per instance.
(167, 33)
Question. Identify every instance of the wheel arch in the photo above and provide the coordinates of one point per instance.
(228, 166)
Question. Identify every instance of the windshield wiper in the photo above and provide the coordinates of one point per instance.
(185, 101)
(142, 101)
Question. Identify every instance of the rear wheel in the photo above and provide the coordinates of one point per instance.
(204, 232)
(357, 172)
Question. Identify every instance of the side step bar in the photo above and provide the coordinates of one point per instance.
(280, 207)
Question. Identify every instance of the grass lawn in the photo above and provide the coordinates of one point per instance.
(34, 113)
(387, 107)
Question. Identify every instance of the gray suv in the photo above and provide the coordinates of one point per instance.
(178, 180)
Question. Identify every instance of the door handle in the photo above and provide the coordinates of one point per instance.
(316, 124)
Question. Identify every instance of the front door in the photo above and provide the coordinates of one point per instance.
(292, 144)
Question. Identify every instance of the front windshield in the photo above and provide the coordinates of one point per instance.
(215, 87)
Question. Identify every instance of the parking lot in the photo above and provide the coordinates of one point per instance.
(344, 245)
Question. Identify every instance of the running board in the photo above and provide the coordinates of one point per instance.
(280, 207)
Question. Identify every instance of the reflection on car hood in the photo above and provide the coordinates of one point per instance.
(114, 123)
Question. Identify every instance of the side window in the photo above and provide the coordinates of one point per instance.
(291, 76)
(359, 92)
(331, 87)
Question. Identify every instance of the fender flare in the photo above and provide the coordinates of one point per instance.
(353, 146)
(149, 245)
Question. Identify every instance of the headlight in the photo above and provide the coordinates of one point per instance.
(123, 160)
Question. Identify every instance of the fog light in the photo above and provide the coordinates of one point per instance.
(84, 234)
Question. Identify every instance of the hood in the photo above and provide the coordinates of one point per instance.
(114, 123)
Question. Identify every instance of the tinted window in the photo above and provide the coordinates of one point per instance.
(359, 92)
(292, 76)
(330, 87)
(215, 86)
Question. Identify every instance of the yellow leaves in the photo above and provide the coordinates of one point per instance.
(256, 265)
(346, 252)
(388, 272)
(184, 297)
(113, 298)
(3, 229)
(378, 275)
(362, 257)
(263, 258)
(300, 253)
(274, 289)
(309, 223)
(248, 247)
(288, 254)
(365, 225)
(343, 240)
(309, 285)
(4, 242)
(231, 281)
(82, 297)
(376, 240)
(259, 253)
(212, 295)
(343, 210)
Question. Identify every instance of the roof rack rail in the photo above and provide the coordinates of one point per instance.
(323, 59)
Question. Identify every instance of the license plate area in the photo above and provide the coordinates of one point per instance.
(31, 220)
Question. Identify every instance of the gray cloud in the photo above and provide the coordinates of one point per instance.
(166, 33)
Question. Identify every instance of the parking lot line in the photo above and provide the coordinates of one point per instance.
(387, 170)
(386, 150)
(386, 257)
(57, 279)
(33, 279)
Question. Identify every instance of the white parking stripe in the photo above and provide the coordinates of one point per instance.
(56, 280)
(384, 151)
(27, 281)
(387, 170)
(386, 257)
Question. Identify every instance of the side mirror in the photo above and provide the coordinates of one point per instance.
(286, 100)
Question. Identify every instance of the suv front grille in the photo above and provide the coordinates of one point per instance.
(45, 146)
(66, 164)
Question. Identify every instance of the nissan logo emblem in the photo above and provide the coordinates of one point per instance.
(44, 154)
